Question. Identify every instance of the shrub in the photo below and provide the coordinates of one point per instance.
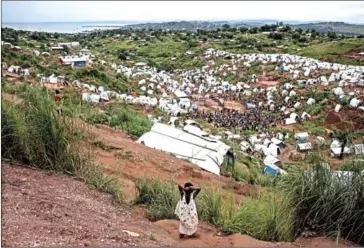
(326, 204)
(267, 217)
(33, 134)
(161, 198)
(314, 109)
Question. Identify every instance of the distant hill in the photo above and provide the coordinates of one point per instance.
(338, 27)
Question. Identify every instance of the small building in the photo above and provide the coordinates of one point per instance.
(74, 61)
(69, 44)
(57, 48)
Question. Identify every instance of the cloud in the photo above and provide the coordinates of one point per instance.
(61, 11)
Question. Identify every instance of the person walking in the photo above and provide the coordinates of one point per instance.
(186, 210)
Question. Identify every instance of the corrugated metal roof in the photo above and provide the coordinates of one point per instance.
(207, 154)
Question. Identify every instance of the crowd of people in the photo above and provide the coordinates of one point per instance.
(259, 116)
(253, 119)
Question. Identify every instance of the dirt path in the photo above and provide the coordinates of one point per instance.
(43, 209)
(132, 161)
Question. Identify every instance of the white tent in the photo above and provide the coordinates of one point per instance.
(244, 145)
(354, 102)
(271, 150)
(94, 98)
(339, 91)
(359, 149)
(311, 101)
(202, 151)
(336, 148)
(180, 94)
(270, 160)
(104, 96)
(338, 107)
(304, 147)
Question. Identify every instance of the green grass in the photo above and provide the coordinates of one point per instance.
(331, 50)
(313, 109)
(267, 217)
(33, 134)
(326, 206)
(117, 114)
(312, 128)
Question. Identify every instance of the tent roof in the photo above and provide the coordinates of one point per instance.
(301, 135)
(180, 94)
(305, 146)
(206, 153)
(270, 160)
(276, 141)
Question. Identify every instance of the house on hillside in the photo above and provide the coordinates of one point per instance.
(69, 44)
(74, 61)
(57, 48)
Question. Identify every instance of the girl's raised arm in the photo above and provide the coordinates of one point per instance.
(181, 191)
(197, 190)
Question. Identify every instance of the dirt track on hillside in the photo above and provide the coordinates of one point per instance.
(43, 209)
(132, 161)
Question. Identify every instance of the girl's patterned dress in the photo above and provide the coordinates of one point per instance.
(187, 214)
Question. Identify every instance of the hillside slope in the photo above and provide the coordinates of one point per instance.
(338, 27)
(43, 209)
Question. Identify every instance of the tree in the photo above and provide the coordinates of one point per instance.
(331, 35)
(302, 39)
(295, 36)
(275, 36)
(243, 30)
(122, 56)
(66, 49)
(225, 26)
(286, 28)
(253, 30)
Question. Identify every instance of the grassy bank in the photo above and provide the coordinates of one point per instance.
(326, 204)
(290, 206)
(265, 216)
(33, 134)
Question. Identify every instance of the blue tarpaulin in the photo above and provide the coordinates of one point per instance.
(270, 170)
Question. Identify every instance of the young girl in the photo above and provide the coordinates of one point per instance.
(186, 210)
(57, 99)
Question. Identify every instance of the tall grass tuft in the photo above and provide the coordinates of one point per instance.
(33, 134)
(267, 217)
(160, 197)
(327, 204)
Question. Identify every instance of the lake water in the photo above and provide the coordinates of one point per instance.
(64, 27)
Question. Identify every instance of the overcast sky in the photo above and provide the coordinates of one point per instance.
(68, 11)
